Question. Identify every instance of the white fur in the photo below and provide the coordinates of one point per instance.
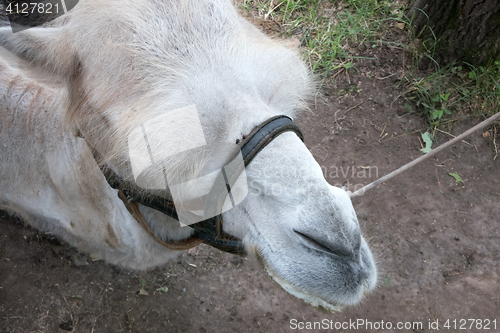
(108, 67)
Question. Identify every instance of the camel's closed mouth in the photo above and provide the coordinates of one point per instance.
(295, 290)
(302, 294)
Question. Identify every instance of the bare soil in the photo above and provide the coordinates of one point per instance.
(437, 241)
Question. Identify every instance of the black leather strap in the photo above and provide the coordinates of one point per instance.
(210, 230)
(262, 135)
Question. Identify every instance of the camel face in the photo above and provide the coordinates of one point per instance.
(304, 231)
(187, 74)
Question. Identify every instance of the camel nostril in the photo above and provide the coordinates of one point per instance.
(322, 246)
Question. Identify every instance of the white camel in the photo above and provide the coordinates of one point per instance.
(95, 75)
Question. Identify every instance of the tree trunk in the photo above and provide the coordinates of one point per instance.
(464, 30)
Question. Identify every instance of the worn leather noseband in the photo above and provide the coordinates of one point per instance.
(209, 231)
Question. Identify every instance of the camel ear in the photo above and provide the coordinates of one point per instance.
(44, 48)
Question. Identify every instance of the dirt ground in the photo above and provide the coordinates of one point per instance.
(437, 242)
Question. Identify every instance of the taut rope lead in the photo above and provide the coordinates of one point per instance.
(426, 156)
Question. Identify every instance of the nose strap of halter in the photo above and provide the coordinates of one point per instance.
(211, 230)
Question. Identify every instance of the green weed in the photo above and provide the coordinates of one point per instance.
(330, 30)
(454, 89)
(440, 92)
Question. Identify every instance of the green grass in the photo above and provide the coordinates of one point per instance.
(445, 93)
(329, 30)
(332, 32)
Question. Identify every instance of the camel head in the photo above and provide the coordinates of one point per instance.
(192, 70)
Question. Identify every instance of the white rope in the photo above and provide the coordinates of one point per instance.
(483, 124)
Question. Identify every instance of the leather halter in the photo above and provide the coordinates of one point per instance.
(209, 231)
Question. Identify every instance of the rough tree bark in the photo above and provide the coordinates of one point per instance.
(466, 30)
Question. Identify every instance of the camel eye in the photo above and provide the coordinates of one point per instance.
(237, 141)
